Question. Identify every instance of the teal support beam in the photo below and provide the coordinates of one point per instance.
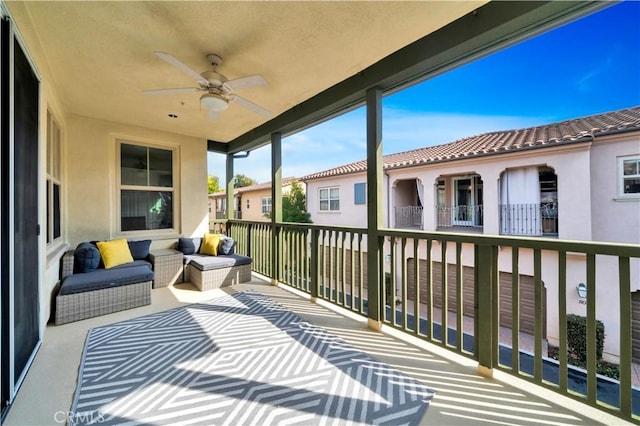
(276, 205)
(229, 187)
(374, 206)
(485, 346)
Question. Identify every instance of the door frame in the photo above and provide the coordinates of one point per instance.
(469, 221)
(11, 380)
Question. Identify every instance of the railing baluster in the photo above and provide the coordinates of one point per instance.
(591, 330)
(562, 316)
(403, 281)
(459, 297)
(515, 310)
(416, 286)
(444, 290)
(537, 278)
(429, 280)
(624, 272)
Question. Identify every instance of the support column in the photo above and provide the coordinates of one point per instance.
(375, 200)
(485, 314)
(229, 188)
(276, 205)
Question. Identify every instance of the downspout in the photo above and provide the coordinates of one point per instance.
(388, 221)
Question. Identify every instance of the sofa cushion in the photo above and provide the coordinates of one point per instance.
(210, 244)
(86, 258)
(105, 278)
(115, 252)
(208, 263)
(189, 245)
(226, 245)
(139, 249)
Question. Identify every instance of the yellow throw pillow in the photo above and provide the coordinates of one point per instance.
(114, 252)
(210, 244)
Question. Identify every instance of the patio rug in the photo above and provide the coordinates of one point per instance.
(236, 360)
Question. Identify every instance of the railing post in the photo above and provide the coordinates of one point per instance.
(485, 293)
(374, 206)
(314, 274)
(276, 205)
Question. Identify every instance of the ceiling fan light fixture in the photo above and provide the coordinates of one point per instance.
(214, 102)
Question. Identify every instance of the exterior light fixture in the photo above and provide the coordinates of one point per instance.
(214, 102)
(582, 290)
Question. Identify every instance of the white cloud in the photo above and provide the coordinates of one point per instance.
(343, 140)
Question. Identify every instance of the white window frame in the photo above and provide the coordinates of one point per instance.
(174, 189)
(54, 177)
(328, 198)
(266, 205)
(621, 176)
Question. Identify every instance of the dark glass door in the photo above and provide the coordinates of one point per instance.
(5, 387)
(25, 228)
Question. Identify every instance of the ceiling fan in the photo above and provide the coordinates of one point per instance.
(218, 90)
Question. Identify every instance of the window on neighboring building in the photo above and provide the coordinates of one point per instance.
(147, 191)
(248, 204)
(630, 175)
(54, 228)
(266, 205)
(360, 193)
(330, 199)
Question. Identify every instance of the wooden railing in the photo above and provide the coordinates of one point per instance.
(490, 303)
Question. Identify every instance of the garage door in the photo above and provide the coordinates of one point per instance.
(527, 292)
(635, 326)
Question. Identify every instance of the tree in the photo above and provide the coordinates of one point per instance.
(214, 184)
(242, 180)
(294, 205)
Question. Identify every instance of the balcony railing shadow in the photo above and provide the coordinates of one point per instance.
(331, 263)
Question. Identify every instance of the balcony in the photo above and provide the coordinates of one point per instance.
(462, 218)
(408, 217)
(428, 299)
(529, 219)
(463, 396)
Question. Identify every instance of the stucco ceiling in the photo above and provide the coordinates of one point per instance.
(100, 54)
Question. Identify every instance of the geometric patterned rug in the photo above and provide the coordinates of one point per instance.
(238, 359)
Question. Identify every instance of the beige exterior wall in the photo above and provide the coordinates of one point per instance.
(350, 214)
(590, 208)
(616, 217)
(92, 187)
(252, 204)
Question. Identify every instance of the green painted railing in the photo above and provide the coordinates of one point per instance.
(490, 300)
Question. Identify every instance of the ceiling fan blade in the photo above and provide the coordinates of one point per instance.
(171, 91)
(250, 105)
(182, 67)
(244, 82)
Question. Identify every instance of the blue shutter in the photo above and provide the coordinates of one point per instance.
(360, 193)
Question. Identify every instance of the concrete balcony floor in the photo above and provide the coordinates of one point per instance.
(462, 395)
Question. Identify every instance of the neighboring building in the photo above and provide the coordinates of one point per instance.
(251, 203)
(574, 180)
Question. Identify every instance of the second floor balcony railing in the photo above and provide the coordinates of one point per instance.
(409, 217)
(529, 219)
(489, 303)
(459, 216)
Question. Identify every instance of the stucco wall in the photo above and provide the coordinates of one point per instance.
(254, 212)
(615, 217)
(92, 188)
(350, 214)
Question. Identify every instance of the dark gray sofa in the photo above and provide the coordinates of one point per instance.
(208, 272)
(87, 289)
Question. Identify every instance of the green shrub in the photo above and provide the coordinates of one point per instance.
(577, 338)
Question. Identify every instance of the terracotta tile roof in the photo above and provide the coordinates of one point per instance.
(500, 142)
(256, 187)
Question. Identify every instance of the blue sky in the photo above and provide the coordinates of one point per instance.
(585, 67)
